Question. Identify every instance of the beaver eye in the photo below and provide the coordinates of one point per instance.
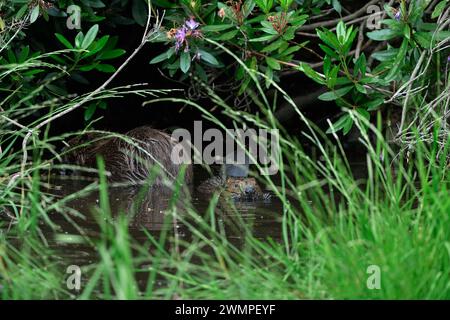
(236, 185)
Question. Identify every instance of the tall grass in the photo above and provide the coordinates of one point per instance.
(336, 227)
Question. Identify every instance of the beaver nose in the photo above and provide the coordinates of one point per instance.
(249, 190)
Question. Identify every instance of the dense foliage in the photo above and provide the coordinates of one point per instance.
(361, 60)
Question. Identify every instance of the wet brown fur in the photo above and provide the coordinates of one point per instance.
(232, 187)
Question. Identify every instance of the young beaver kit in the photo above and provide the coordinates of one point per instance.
(132, 160)
(236, 188)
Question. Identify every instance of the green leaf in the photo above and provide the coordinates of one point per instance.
(64, 41)
(11, 56)
(139, 11)
(398, 62)
(347, 125)
(332, 77)
(97, 46)
(425, 39)
(326, 65)
(336, 94)
(87, 67)
(342, 122)
(79, 39)
(208, 57)
(350, 36)
(33, 72)
(361, 65)
(311, 73)
(273, 46)
(216, 27)
(439, 9)
(227, 35)
(89, 112)
(107, 68)
(269, 75)
(363, 112)
(103, 105)
(252, 65)
(185, 61)
(291, 50)
(273, 63)
(93, 3)
(164, 3)
(373, 105)
(385, 55)
(263, 38)
(163, 56)
(337, 6)
(267, 25)
(111, 54)
(23, 54)
(382, 35)
(201, 72)
(340, 81)
(90, 37)
(21, 12)
(248, 7)
(329, 51)
(340, 31)
(264, 5)
(56, 89)
(79, 78)
(407, 31)
(361, 88)
(329, 38)
(34, 14)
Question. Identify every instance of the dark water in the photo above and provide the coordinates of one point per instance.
(150, 211)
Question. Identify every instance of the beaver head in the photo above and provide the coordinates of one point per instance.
(243, 187)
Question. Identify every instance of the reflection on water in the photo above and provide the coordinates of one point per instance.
(149, 209)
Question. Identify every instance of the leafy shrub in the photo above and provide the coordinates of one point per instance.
(265, 34)
(362, 69)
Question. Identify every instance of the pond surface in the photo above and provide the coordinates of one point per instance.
(148, 213)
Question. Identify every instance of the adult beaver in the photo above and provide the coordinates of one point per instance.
(233, 182)
(129, 158)
(132, 157)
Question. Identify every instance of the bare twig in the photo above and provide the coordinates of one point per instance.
(360, 40)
